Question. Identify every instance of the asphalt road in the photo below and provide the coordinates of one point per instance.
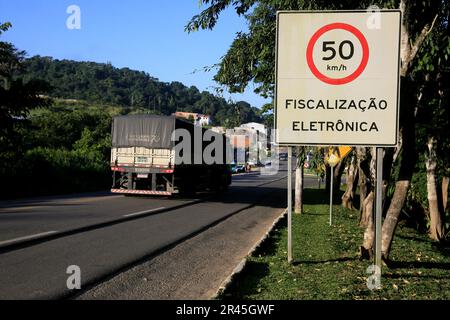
(38, 270)
(22, 219)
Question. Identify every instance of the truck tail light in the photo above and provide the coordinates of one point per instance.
(168, 171)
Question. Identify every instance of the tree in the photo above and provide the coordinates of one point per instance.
(433, 121)
(16, 99)
(418, 22)
(352, 178)
(106, 85)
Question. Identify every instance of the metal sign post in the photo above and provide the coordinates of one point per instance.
(289, 200)
(378, 208)
(333, 158)
(331, 192)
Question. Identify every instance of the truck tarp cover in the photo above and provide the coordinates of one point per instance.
(147, 131)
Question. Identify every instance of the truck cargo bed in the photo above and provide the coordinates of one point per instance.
(142, 157)
(144, 160)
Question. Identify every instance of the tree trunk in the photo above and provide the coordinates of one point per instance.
(338, 171)
(408, 158)
(408, 102)
(390, 222)
(366, 214)
(363, 189)
(364, 182)
(436, 226)
(445, 181)
(298, 208)
(352, 172)
(369, 233)
(367, 217)
(369, 173)
(400, 193)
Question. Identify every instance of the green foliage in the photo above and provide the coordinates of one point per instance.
(17, 97)
(63, 150)
(56, 171)
(46, 150)
(4, 27)
(59, 127)
(316, 163)
(251, 57)
(432, 75)
(327, 265)
(208, 18)
(418, 191)
(267, 115)
(104, 84)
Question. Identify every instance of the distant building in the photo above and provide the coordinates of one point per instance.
(257, 133)
(249, 139)
(240, 141)
(218, 129)
(198, 118)
(240, 144)
(255, 127)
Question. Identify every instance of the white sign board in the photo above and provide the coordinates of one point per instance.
(337, 77)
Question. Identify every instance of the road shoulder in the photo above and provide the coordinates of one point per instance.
(199, 267)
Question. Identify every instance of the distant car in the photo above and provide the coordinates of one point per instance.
(283, 156)
(237, 168)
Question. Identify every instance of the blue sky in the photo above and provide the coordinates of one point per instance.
(145, 35)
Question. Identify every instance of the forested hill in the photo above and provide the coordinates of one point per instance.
(104, 84)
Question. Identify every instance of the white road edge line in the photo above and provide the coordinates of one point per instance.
(142, 212)
(30, 237)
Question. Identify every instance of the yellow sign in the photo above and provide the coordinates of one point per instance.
(336, 154)
(344, 150)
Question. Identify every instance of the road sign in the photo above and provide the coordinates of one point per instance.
(336, 154)
(337, 77)
(332, 159)
(344, 151)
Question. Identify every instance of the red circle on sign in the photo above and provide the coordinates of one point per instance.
(316, 36)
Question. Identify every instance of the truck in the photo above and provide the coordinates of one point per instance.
(164, 155)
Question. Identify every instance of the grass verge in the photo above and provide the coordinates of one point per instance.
(327, 266)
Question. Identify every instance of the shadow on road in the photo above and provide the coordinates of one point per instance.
(252, 274)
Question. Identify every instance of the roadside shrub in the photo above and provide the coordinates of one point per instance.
(44, 171)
